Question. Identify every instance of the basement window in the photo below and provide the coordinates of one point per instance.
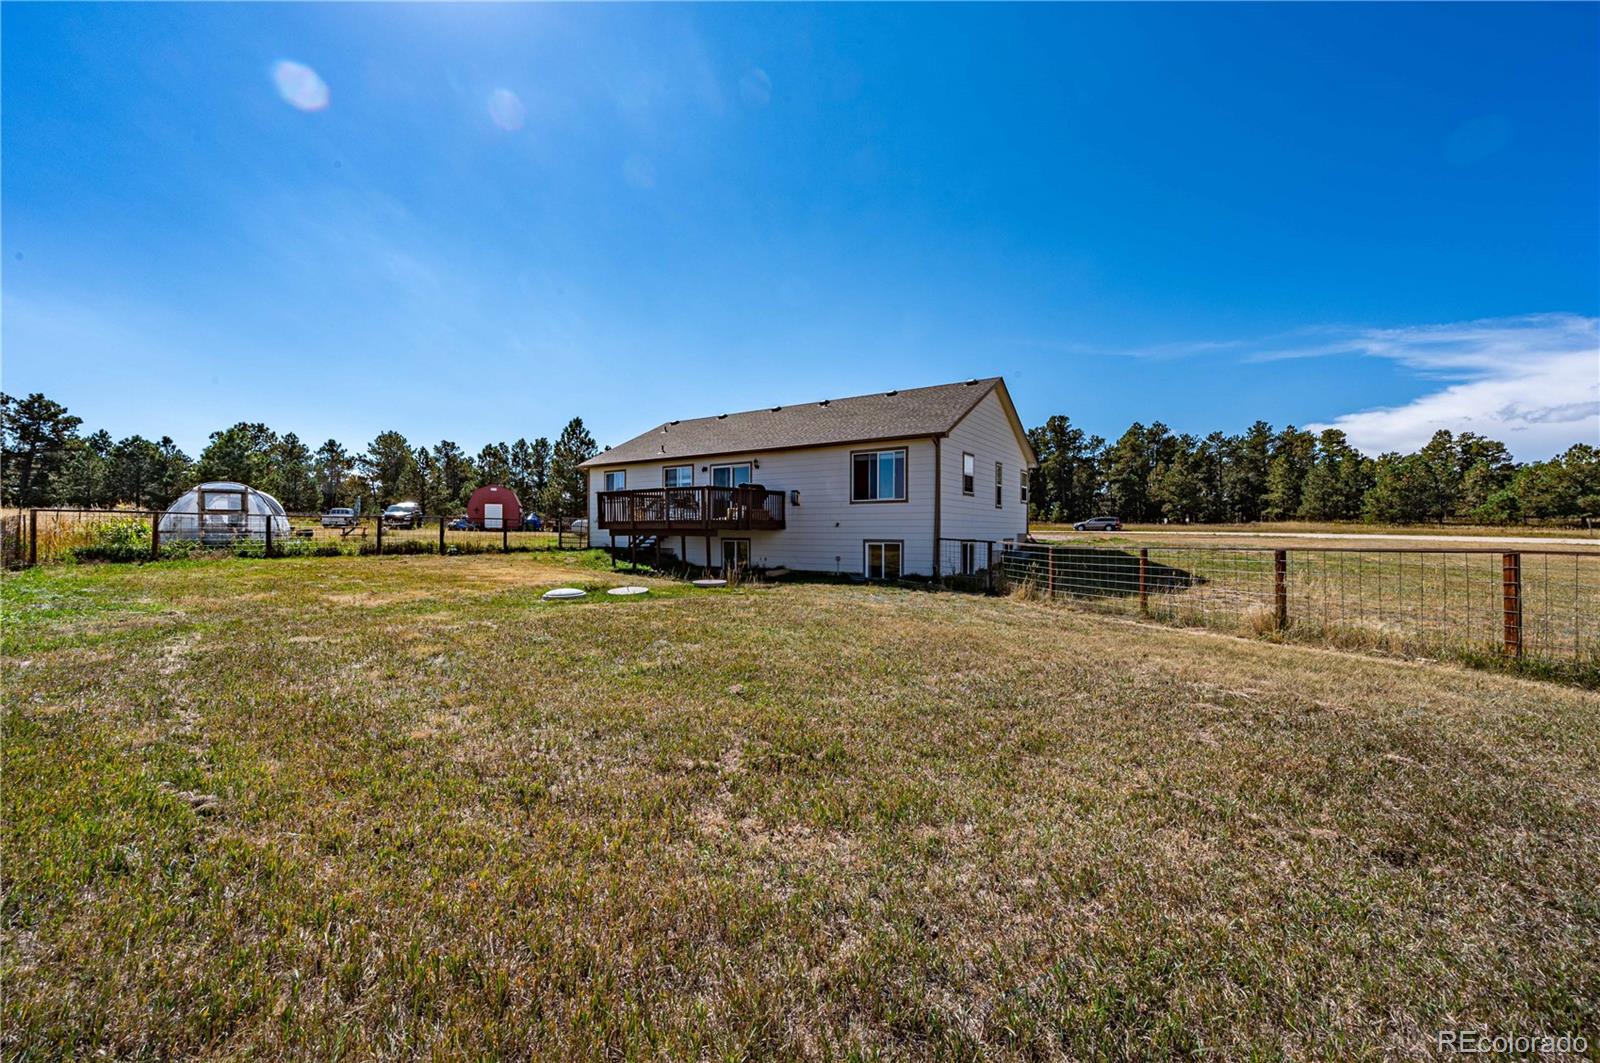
(883, 560)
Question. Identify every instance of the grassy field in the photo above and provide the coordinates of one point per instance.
(347, 807)
(61, 533)
(1269, 530)
(1437, 602)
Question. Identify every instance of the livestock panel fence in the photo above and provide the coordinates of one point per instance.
(1539, 608)
(53, 536)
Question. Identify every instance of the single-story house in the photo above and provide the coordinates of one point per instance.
(916, 482)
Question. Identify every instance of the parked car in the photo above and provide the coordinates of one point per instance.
(532, 523)
(403, 515)
(460, 524)
(1099, 524)
(339, 517)
(580, 526)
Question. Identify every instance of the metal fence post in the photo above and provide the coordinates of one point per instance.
(1280, 588)
(268, 519)
(1511, 603)
(33, 537)
(1144, 581)
(441, 536)
(155, 537)
(380, 535)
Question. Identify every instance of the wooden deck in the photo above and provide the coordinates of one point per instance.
(685, 510)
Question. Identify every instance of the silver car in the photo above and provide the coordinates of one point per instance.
(339, 517)
(1099, 524)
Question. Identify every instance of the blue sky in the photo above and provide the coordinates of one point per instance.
(474, 221)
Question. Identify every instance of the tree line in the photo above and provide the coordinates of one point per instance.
(1148, 474)
(1262, 474)
(47, 460)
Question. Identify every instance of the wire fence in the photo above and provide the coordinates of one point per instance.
(968, 564)
(1532, 606)
(56, 536)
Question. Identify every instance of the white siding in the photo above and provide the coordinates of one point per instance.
(987, 434)
(826, 531)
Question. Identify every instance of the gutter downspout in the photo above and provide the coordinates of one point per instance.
(938, 481)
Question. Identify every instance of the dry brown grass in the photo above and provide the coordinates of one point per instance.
(400, 807)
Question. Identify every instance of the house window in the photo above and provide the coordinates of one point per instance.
(969, 474)
(677, 476)
(617, 480)
(883, 560)
(969, 558)
(1025, 478)
(878, 476)
(999, 485)
(730, 475)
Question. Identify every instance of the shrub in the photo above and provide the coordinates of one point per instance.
(116, 540)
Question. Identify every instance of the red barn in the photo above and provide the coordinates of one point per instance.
(494, 506)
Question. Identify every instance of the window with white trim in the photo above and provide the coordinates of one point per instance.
(677, 476)
(878, 476)
(999, 485)
(730, 475)
(882, 560)
(617, 480)
(969, 474)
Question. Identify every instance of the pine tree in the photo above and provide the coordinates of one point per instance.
(133, 472)
(388, 465)
(35, 434)
(333, 467)
(1244, 477)
(566, 492)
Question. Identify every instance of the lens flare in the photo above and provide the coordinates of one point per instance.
(506, 110)
(299, 85)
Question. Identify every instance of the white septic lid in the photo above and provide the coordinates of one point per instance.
(710, 583)
(564, 592)
(624, 591)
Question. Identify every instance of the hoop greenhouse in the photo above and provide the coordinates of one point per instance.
(224, 512)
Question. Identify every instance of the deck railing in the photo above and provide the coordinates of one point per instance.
(688, 509)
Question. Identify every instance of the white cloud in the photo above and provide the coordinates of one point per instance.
(1532, 381)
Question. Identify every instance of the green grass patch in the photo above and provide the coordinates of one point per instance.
(355, 807)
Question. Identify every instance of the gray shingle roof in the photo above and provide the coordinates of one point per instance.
(882, 415)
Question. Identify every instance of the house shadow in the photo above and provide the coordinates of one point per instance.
(1094, 572)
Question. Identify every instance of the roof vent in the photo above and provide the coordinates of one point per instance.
(672, 422)
(824, 402)
(663, 448)
(775, 409)
(971, 382)
(722, 417)
(893, 393)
